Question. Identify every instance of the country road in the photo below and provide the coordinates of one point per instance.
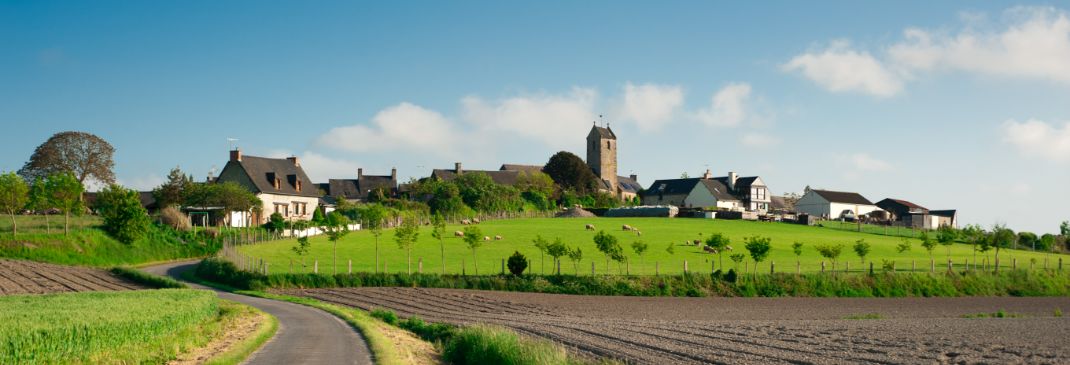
(306, 335)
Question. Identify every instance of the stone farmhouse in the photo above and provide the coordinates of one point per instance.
(729, 192)
(912, 215)
(280, 183)
(834, 204)
(359, 189)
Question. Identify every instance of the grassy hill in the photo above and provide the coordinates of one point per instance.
(658, 233)
(91, 246)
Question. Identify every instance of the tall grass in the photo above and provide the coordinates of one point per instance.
(1004, 283)
(102, 327)
(95, 248)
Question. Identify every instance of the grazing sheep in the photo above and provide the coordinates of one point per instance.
(466, 222)
(728, 248)
(486, 238)
(590, 227)
(475, 220)
(497, 238)
(458, 234)
(626, 227)
(697, 242)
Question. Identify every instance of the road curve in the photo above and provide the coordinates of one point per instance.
(306, 335)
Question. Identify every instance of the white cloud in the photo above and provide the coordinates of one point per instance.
(649, 105)
(728, 107)
(140, 183)
(759, 140)
(401, 127)
(842, 69)
(1033, 43)
(544, 117)
(1038, 138)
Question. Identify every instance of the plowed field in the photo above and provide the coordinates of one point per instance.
(28, 277)
(749, 330)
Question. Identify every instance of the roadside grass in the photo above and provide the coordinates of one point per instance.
(864, 316)
(658, 233)
(141, 277)
(94, 247)
(105, 327)
(34, 224)
(237, 353)
(1004, 283)
(997, 314)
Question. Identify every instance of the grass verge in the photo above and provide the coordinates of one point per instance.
(237, 353)
(144, 278)
(152, 326)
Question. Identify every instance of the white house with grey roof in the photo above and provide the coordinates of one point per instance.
(727, 192)
(834, 204)
(280, 183)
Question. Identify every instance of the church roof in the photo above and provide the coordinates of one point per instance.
(606, 133)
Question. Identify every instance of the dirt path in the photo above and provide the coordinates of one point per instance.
(749, 330)
(28, 277)
(306, 335)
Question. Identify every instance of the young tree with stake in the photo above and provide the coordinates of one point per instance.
(406, 236)
(541, 245)
(718, 242)
(605, 243)
(928, 243)
(13, 197)
(65, 193)
(639, 247)
(947, 236)
(831, 252)
(861, 248)
(758, 247)
(40, 201)
(438, 231)
(557, 249)
(796, 248)
(473, 236)
(372, 218)
(575, 255)
(335, 226)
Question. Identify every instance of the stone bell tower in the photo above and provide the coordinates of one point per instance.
(602, 154)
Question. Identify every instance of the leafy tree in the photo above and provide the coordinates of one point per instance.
(1028, 239)
(1047, 241)
(973, 234)
(335, 226)
(302, 248)
(862, 249)
(617, 254)
(1064, 228)
(40, 201)
(557, 249)
(83, 155)
(1002, 237)
(576, 255)
(443, 197)
(606, 244)
(406, 236)
(173, 192)
(831, 252)
(372, 217)
(947, 236)
(928, 243)
(481, 193)
(124, 217)
(737, 258)
(541, 244)
(230, 196)
(670, 249)
(535, 182)
(758, 247)
(797, 249)
(317, 216)
(903, 245)
(517, 263)
(605, 200)
(276, 223)
(473, 236)
(14, 194)
(718, 242)
(438, 231)
(571, 173)
(65, 193)
(639, 247)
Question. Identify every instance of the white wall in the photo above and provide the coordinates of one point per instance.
(270, 200)
(315, 231)
(859, 209)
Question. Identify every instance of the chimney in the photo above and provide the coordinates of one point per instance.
(708, 175)
(457, 168)
(732, 180)
(235, 154)
(360, 173)
(394, 173)
(634, 177)
(294, 160)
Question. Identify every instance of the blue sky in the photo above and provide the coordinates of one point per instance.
(958, 105)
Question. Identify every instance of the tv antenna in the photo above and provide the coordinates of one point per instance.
(231, 141)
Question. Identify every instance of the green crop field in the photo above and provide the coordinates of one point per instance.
(658, 233)
(104, 327)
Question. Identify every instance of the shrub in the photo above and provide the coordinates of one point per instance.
(174, 218)
(491, 345)
(141, 277)
(124, 217)
(517, 263)
(385, 315)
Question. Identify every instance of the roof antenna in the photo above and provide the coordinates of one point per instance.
(231, 141)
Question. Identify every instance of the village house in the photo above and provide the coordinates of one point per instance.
(834, 204)
(727, 192)
(280, 183)
(909, 214)
(361, 188)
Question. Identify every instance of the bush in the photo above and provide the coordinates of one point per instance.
(517, 263)
(276, 223)
(174, 218)
(124, 217)
(385, 315)
(141, 277)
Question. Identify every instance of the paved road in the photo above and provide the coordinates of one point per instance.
(306, 335)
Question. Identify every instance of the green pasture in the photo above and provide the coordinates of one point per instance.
(658, 233)
(40, 224)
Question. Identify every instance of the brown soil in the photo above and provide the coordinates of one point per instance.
(28, 277)
(748, 330)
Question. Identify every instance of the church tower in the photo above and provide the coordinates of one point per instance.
(602, 155)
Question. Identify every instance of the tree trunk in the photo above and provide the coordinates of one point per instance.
(335, 265)
(66, 223)
(408, 259)
(48, 223)
(14, 225)
(376, 253)
(442, 247)
(475, 264)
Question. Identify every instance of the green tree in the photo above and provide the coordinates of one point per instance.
(903, 245)
(14, 194)
(302, 248)
(797, 248)
(718, 242)
(406, 235)
(570, 172)
(1002, 237)
(928, 243)
(276, 223)
(473, 236)
(40, 201)
(335, 226)
(372, 217)
(438, 231)
(831, 252)
(557, 249)
(541, 244)
(737, 258)
(535, 182)
(947, 236)
(973, 234)
(639, 247)
(1028, 239)
(1047, 242)
(173, 192)
(124, 217)
(317, 216)
(65, 193)
(861, 248)
(576, 255)
(606, 244)
(82, 155)
(517, 263)
(758, 247)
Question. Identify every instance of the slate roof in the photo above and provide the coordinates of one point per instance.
(606, 132)
(842, 197)
(518, 167)
(359, 188)
(628, 185)
(685, 186)
(900, 206)
(261, 169)
(742, 183)
(501, 177)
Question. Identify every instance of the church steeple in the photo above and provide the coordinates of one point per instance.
(602, 154)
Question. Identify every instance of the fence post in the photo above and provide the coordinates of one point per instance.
(558, 267)
(657, 270)
(266, 268)
(685, 266)
(463, 268)
(798, 267)
(772, 267)
(871, 267)
(592, 268)
(1014, 263)
(913, 266)
(291, 266)
(316, 267)
(948, 265)
(822, 266)
(932, 266)
(420, 267)
(846, 266)
(503, 266)
(1060, 264)
(350, 271)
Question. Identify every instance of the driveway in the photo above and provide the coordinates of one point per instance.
(306, 335)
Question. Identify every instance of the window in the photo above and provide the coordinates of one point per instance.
(608, 146)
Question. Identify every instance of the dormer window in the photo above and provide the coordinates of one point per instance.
(278, 183)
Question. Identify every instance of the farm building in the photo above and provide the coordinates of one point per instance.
(280, 183)
(833, 204)
(909, 214)
(728, 192)
(363, 186)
